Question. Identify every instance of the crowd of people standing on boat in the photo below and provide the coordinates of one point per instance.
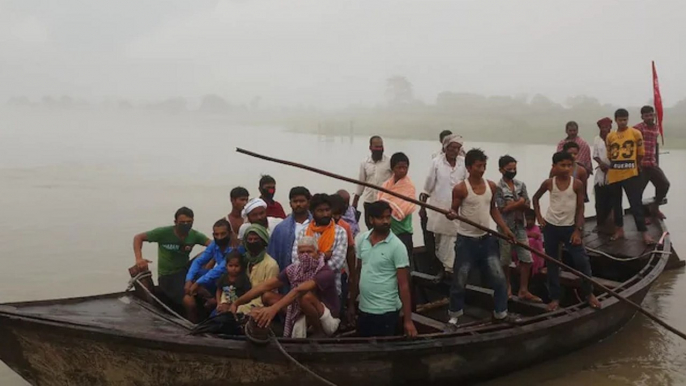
(315, 267)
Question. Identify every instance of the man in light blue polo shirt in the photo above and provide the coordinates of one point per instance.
(384, 277)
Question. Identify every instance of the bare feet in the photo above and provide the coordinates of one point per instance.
(554, 305)
(660, 215)
(619, 234)
(593, 302)
(529, 297)
(648, 239)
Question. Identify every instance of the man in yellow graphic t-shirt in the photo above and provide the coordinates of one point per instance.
(625, 151)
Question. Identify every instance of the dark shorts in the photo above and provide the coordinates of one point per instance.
(172, 286)
(369, 325)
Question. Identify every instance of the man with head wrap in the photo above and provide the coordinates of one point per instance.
(447, 170)
(260, 266)
(255, 212)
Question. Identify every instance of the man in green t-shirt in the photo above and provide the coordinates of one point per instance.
(174, 245)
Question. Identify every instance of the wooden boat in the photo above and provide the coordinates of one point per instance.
(120, 339)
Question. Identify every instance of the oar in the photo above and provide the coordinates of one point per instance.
(479, 226)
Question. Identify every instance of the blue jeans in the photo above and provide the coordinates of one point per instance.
(554, 235)
(483, 253)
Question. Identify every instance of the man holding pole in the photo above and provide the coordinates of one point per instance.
(474, 199)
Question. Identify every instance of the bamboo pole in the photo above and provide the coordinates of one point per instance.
(635, 306)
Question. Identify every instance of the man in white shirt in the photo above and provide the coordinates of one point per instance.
(255, 212)
(376, 169)
(603, 196)
(447, 170)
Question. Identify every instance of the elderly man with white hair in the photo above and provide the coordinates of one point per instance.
(312, 301)
(255, 212)
(447, 170)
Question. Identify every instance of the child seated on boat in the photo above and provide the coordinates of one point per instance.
(533, 232)
(233, 284)
(312, 301)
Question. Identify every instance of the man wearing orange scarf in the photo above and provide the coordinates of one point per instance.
(331, 238)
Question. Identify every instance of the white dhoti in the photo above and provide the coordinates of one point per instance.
(445, 250)
(445, 233)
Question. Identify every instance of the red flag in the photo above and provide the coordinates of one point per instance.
(658, 103)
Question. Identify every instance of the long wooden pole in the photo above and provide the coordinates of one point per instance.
(479, 226)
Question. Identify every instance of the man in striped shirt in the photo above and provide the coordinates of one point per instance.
(650, 170)
(584, 156)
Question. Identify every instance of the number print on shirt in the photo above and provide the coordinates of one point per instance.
(628, 149)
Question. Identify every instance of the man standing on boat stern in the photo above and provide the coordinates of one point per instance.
(474, 199)
(384, 279)
(584, 156)
(447, 170)
(625, 150)
(650, 169)
(376, 169)
(563, 223)
(174, 244)
(603, 196)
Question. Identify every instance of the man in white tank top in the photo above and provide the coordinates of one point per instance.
(563, 223)
(474, 199)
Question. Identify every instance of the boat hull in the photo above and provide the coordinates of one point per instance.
(46, 354)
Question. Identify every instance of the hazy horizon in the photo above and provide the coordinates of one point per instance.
(334, 54)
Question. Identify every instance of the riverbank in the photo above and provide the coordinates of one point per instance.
(488, 130)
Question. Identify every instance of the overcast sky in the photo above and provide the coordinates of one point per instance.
(334, 53)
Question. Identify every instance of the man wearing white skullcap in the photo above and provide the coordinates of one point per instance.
(447, 170)
(255, 212)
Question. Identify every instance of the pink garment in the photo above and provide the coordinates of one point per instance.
(305, 269)
(399, 207)
(536, 242)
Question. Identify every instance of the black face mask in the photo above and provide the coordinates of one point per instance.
(254, 248)
(184, 228)
(323, 221)
(509, 175)
(377, 154)
(222, 243)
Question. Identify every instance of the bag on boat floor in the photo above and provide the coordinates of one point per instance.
(225, 324)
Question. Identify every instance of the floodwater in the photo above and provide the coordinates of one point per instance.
(76, 186)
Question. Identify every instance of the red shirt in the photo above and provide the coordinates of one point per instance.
(274, 209)
(649, 143)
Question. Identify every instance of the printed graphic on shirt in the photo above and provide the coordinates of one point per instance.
(624, 149)
(624, 156)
